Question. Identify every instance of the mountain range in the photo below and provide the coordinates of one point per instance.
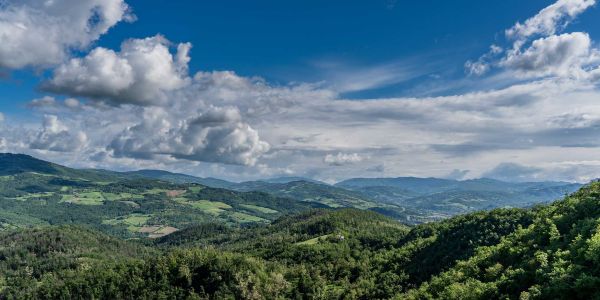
(421, 199)
(407, 199)
(98, 234)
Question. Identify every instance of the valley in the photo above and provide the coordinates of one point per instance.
(104, 234)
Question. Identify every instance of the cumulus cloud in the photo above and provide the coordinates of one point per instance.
(56, 136)
(37, 33)
(217, 119)
(141, 73)
(215, 135)
(341, 159)
(42, 102)
(563, 55)
(550, 19)
(252, 95)
(1, 117)
(49, 104)
(482, 65)
(539, 50)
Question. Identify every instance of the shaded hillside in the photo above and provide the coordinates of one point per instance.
(556, 257)
(30, 256)
(327, 254)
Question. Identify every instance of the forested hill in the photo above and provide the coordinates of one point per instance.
(163, 196)
(421, 199)
(546, 252)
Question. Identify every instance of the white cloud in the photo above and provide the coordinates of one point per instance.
(36, 33)
(538, 50)
(215, 135)
(141, 73)
(72, 103)
(477, 68)
(482, 65)
(219, 116)
(51, 105)
(563, 55)
(514, 172)
(42, 102)
(56, 136)
(1, 117)
(550, 19)
(341, 159)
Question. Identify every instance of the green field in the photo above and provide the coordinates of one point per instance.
(246, 218)
(133, 222)
(84, 198)
(195, 189)
(259, 209)
(121, 196)
(211, 207)
(314, 241)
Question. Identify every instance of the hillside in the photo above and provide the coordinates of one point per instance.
(539, 253)
(283, 238)
(411, 200)
(557, 256)
(35, 192)
(29, 256)
(408, 199)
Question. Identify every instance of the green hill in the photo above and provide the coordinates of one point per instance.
(215, 243)
(30, 256)
(557, 256)
(427, 199)
(545, 252)
(34, 192)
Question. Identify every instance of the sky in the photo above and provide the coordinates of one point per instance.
(330, 90)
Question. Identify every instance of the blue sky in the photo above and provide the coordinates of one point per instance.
(310, 41)
(294, 69)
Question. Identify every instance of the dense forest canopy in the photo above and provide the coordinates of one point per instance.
(98, 234)
(538, 253)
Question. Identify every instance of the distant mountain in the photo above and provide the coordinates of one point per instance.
(290, 179)
(18, 164)
(11, 164)
(408, 199)
(180, 178)
(441, 198)
(297, 188)
(149, 203)
(411, 184)
(310, 191)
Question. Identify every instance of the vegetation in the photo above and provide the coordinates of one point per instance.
(253, 245)
(34, 192)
